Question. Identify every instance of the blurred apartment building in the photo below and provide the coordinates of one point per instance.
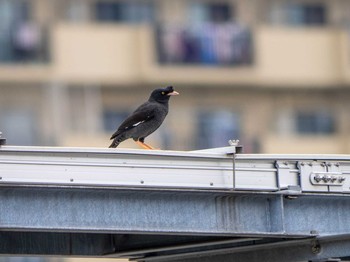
(273, 73)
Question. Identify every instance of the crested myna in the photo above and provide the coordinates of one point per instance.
(145, 119)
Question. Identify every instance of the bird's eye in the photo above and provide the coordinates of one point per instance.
(163, 93)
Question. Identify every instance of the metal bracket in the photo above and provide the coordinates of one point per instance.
(236, 145)
(321, 176)
(327, 178)
(287, 176)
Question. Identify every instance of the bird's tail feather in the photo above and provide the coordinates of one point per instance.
(117, 140)
(114, 144)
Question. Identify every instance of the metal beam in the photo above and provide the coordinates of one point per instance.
(170, 212)
(218, 169)
(130, 211)
(318, 249)
(185, 204)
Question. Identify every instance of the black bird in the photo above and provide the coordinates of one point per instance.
(145, 119)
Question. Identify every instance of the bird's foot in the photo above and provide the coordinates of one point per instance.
(145, 146)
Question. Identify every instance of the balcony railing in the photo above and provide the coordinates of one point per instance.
(204, 44)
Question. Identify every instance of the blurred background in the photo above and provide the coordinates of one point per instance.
(274, 74)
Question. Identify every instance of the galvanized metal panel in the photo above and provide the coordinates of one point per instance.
(120, 211)
(170, 212)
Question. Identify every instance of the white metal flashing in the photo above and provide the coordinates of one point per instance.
(219, 169)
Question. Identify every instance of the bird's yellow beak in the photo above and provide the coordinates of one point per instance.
(174, 93)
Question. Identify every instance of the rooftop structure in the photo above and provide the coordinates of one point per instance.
(173, 205)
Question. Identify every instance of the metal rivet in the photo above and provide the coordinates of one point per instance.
(71, 180)
(142, 181)
(211, 183)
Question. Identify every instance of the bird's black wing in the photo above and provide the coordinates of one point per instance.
(142, 114)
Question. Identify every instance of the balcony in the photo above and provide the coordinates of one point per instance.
(199, 54)
(280, 57)
(91, 53)
(118, 54)
(24, 54)
(300, 56)
(132, 54)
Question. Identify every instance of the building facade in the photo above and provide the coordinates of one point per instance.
(274, 74)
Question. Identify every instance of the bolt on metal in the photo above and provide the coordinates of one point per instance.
(318, 178)
(315, 247)
(341, 179)
(326, 178)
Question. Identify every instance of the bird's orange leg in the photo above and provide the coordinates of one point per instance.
(143, 145)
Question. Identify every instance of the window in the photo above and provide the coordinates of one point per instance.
(226, 44)
(21, 39)
(216, 128)
(298, 14)
(77, 11)
(315, 123)
(219, 12)
(112, 119)
(130, 12)
(210, 12)
(208, 37)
